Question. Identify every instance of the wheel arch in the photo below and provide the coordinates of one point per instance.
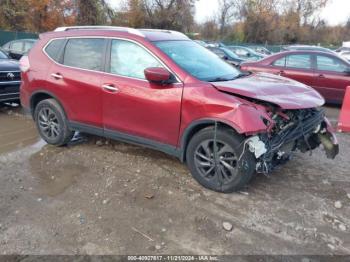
(199, 125)
(41, 95)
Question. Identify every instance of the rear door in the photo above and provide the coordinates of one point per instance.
(331, 78)
(76, 78)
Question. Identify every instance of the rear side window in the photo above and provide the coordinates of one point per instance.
(84, 53)
(326, 63)
(53, 49)
(299, 61)
(280, 62)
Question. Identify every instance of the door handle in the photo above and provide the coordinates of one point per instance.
(321, 76)
(280, 73)
(110, 88)
(57, 76)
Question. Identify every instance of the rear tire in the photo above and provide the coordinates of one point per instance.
(233, 168)
(52, 124)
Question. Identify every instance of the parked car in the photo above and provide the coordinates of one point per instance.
(159, 89)
(227, 55)
(246, 53)
(9, 79)
(306, 48)
(327, 73)
(261, 50)
(17, 48)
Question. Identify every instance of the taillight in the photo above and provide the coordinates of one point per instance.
(24, 64)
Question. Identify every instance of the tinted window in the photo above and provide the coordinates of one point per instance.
(17, 46)
(129, 59)
(330, 64)
(84, 53)
(299, 61)
(54, 48)
(280, 62)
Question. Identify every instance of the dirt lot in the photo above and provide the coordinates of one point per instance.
(101, 197)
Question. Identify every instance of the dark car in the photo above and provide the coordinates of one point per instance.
(10, 79)
(227, 55)
(17, 48)
(329, 74)
(159, 89)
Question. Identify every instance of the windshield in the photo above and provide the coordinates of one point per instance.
(3, 55)
(198, 61)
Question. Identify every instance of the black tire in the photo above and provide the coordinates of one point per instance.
(55, 121)
(234, 167)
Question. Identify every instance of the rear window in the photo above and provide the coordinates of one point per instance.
(53, 49)
(84, 53)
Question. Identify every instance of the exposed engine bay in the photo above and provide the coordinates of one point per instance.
(289, 131)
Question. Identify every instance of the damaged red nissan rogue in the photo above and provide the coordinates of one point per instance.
(159, 89)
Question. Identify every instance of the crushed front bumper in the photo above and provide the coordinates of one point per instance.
(305, 134)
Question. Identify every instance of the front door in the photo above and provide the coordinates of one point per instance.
(299, 67)
(132, 105)
(331, 78)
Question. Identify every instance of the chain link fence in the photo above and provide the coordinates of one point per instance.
(7, 36)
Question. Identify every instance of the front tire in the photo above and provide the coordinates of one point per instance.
(52, 123)
(233, 167)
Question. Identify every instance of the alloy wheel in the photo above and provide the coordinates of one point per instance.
(48, 123)
(220, 169)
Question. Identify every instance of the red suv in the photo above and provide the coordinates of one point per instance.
(159, 89)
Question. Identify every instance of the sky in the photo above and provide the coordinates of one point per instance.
(336, 12)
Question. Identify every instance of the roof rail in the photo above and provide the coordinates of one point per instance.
(165, 31)
(124, 29)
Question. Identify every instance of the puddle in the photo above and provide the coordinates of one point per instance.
(53, 181)
(16, 131)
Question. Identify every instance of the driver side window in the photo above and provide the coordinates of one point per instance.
(130, 60)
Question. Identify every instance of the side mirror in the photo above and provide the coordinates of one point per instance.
(158, 75)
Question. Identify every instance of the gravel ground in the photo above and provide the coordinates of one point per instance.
(98, 196)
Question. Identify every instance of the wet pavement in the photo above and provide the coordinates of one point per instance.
(97, 196)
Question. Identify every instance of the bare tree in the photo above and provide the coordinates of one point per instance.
(227, 11)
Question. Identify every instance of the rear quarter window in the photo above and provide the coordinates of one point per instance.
(53, 49)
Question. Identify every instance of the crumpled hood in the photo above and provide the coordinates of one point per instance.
(286, 93)
(9, 65)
